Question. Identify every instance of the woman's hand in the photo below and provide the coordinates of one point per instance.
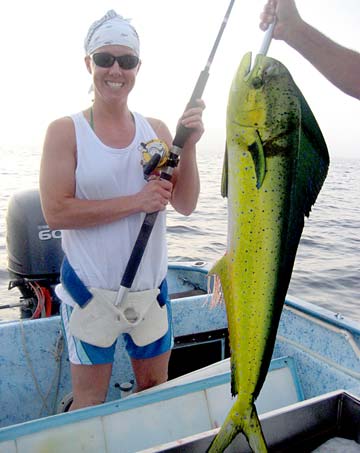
(155, 195)
(192, 119)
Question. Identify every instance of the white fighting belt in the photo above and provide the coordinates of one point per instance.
(100, 322)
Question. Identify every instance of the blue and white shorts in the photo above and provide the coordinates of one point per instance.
(82, 353)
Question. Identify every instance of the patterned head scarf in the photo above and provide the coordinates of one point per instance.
(111, 29)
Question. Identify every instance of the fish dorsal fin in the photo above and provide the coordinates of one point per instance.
(258, 156)
(224, 177)
(311, 162)
(313, 159)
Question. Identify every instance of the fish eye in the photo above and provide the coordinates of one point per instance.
(257, 82)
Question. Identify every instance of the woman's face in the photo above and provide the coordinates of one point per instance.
(113, 83)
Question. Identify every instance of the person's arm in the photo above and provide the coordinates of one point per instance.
(185, 178)
(341, 66)
(62, 210)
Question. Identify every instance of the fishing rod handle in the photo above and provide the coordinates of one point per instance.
(183, 132)
(138, 250)
(148, 225)
(181, 135)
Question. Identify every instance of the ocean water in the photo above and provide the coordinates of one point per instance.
(327, 267)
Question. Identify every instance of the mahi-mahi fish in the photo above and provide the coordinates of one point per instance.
(275, 163)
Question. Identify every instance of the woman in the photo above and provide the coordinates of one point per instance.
(92, 187)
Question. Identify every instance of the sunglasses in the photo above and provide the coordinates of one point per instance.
(106, 60)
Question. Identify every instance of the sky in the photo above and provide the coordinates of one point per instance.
(43, 75)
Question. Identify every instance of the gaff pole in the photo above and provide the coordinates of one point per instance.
(267, 39)
(181, 135)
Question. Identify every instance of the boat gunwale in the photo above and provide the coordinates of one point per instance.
(135, 401)
(324, 314)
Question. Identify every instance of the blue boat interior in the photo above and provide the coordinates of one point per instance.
(316, 352)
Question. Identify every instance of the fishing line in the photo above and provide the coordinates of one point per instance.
(181, 135)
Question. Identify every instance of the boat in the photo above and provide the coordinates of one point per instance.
(316, 354)
(310, 395)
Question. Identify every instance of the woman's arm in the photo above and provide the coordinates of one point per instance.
(62, 210)
(185, 179)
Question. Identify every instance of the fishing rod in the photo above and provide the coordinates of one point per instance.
(181, 135)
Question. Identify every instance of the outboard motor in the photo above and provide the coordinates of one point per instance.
(34, 255)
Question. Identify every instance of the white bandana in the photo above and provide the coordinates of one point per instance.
(111, 29)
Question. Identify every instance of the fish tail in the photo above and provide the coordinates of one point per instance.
(238, 421)
(254, 434)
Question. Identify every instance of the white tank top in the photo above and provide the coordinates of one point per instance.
(99, 254)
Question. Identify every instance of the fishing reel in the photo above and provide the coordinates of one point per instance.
(155, 154)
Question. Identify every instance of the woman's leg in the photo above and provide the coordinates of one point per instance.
(91, 367)
(152, 371)
(90, 384)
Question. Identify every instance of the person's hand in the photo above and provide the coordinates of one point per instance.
(286, 15)
(192, 119)
(155, 195)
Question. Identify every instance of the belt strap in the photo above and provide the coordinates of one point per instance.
(73, 285)
(80, 293)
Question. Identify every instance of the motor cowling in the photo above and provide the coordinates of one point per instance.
(34, 256)
(34, 251)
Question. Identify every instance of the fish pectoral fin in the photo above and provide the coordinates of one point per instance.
(258, 156)
(224, 177)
